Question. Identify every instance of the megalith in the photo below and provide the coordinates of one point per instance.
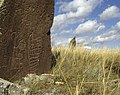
(25, 45)
(72, 43)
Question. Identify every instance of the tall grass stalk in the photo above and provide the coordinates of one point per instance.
(89, 71)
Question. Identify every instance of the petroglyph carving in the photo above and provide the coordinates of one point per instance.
(25, 37)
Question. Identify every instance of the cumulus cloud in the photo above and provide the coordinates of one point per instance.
(75, 12)
(109, 35)
(72, 12)
(112, 34)
(75, 5)
(110, 12)
(59, 40)
(114, 30)
(100, 39)
(118, 25)
(89, 26)
(66, 32)
(83, 41)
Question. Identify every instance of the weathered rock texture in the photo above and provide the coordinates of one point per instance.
(25, 40)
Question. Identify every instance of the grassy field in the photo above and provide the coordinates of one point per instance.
(88, 72)
(79, 71)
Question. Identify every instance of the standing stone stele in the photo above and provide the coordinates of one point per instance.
(25, 45)
(72, 43)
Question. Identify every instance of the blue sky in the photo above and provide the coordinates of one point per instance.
(95, 23)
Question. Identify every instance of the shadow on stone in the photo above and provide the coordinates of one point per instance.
(55, 57)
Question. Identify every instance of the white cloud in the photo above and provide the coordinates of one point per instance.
(76, 11)
(61, 43)
(75, 5)
(59, 40)
(114, 30)
(66, 32)
(89, 26)
(112, 34)
(118, 25)
(110, 12)
(72, 12)
(100, 39)
(83, 41)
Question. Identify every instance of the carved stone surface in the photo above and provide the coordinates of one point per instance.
(25, 41)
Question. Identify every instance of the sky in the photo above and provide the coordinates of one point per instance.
(94, 23)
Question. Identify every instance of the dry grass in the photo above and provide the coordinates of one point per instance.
(88, 72)
(80, 71)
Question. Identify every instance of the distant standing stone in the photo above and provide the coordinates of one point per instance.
(73, 43)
